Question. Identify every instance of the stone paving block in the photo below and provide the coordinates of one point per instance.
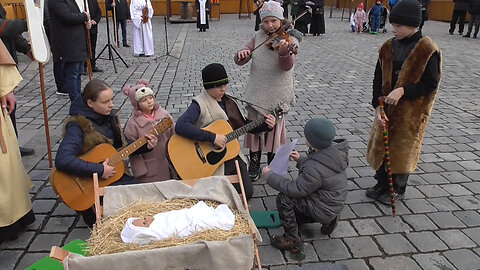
(415, 180)
(36, 186)
(37, 224)
(434, 178)
(394, 244)
(270, 203)
(331, 249)
(43, 206)
(366, 226)
(365, 210)
(456, 190)
(467, 202)
(63, 210)
(420, 222)
(31, 258)
(432, 191)
(259, 191)
(393, 224)
(443, 204)
(399, 206)
(9, 258)
(256, 204)
(270, 191)
(394, 263)
(426, 241)
(413, 193)
(355, 264)
(433, 261)
(357, 196)
(58, 224)
(474, 175)
(473, 187)
(455, 239)
(347, 213)
(44, 242)
(473, 233)
(270, 256)
(455, 177)
(446, 220)
(434, 169)
(82, 234)
(469, 164)
(39, 175)
(463, 259)
(47, 193)
(450, 166)
(344, 229)
(308, 255)
(362, 246)
(419, 206)
(365, 182)
(469, 218)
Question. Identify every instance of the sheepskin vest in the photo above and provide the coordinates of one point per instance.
(210, 111)
(91, 137)
(409, 118)
(268, 86)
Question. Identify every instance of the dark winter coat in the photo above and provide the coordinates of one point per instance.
(474, 7)
(461, 5)
(318, 8)
(67, 31)
(321, 180)
(95, 14)
(122, 10)
(376, 10)
(10, 33)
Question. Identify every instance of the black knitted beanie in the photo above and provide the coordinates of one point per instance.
(406, 12)
(214, 75)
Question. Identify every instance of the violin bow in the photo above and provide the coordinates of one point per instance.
(272, 36)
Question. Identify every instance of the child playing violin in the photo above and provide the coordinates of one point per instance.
(270, 83)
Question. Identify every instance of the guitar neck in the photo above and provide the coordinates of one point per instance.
(128, 150)
(244, 129)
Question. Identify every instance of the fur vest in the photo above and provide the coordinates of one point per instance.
(409, 118)
(91, 137)
(268, 86)
(210, 111)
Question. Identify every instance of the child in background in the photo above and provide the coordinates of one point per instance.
(407, 74)
(359, 18)
(319, 192)
(376, 12)
(150, 166)
(270, 84)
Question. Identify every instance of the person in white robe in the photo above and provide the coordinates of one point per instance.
(142, 31)
(15, 205)
(203, 8)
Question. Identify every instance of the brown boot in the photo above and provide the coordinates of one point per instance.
(287, 242)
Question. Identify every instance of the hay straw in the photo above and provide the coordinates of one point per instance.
(107, 240)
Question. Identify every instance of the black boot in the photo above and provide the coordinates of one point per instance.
(270, 157)
(254, 167)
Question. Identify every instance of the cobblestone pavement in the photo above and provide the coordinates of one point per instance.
(438, 222)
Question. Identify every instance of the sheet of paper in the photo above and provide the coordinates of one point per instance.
(279, 164)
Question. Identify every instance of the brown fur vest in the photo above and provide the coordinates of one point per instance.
(409, 118)
(91, 137)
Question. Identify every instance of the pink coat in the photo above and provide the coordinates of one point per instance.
(360, 17)
(151, 166)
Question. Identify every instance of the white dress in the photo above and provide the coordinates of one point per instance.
(142, 32)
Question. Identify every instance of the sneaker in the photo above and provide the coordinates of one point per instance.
(376, 191)
(385, 198)
(287, 242)
(375, 33)
(327, 229)
(62, 92)
(25, 151)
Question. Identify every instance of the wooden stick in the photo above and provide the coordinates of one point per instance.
(388, 163)
(96, 192)
(115, 25)
(245, 202)
(45, 114)
(89, 63)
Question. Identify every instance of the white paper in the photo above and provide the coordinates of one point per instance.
(279, 164)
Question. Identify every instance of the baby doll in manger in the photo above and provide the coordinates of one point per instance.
(177, 223)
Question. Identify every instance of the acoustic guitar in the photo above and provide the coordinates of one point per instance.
(193, 159)
(77, 192)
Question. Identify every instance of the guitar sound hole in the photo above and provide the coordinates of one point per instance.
(215, 157)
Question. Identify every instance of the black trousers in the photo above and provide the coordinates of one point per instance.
(458, 15)
(474, 19)
(93, 44)
(399, 180)
(230, 169)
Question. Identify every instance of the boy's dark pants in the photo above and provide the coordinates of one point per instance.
(293, 211)
(399, 180)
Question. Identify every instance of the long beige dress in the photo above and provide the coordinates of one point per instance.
(15, 183)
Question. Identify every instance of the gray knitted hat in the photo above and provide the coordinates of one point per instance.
(271, 9)
(320, 132)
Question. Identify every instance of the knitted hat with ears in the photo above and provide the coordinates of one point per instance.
(137, 92)
(360, 5)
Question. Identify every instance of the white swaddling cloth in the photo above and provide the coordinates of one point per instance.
(179, 223)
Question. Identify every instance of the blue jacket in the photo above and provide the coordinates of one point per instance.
(67, 159)
(376, 10)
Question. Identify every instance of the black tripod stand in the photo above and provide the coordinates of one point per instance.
(167, 53)
(109, 45)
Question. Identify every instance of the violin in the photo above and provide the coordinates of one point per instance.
(145, 13)
(275, 43)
